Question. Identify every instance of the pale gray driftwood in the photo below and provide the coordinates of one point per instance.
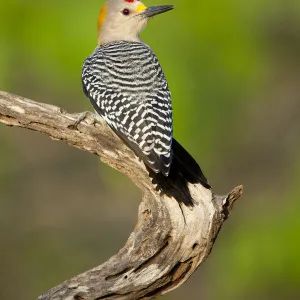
(170, 240)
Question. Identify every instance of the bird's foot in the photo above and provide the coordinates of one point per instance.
(93, 117)
(81, 117)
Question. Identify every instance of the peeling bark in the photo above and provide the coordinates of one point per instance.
(179, 217)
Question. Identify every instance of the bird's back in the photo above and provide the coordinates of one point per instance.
(128, 88)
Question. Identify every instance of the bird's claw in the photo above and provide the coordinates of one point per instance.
(94, 119)
(82, 116)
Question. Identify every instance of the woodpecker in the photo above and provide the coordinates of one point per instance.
(126, 84)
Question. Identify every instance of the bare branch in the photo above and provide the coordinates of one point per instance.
(179, 217)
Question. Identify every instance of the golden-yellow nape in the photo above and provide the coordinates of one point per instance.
(102, 16)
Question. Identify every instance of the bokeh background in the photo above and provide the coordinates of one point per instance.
(234, 70)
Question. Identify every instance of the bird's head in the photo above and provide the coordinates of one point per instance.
(125, 19)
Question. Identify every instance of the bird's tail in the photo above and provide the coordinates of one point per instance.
(184, 171)
(185, 164)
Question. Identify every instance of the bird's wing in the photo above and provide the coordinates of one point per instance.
(142, 121)
(161, 109)
(163, 131)
(129, 121)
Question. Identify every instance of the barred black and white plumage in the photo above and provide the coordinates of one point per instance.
(127, 87)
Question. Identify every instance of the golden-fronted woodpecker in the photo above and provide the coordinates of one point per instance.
(126, 84)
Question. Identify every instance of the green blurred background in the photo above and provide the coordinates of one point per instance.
(234, 71)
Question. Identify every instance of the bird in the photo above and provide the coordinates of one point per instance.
(126, 85)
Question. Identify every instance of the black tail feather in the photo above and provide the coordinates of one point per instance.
(186, 164)
(184, 170)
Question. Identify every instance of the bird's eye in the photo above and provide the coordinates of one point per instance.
(126, 12)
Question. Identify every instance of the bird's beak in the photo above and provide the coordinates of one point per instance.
(156, 10)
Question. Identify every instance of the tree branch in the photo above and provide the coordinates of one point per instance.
(179, 217)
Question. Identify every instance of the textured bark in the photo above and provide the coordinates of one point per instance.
(179, 218)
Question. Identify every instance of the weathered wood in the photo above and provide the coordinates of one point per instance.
(179, 217)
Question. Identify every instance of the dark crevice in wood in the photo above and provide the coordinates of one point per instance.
(78, 297)
(151, 260)
(195, 246)
(173, 282)
(112, 296)
(147, 214)
(183, 215)
(114, 276)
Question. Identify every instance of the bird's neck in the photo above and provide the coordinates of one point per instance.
(115, 38)
(127, 32)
